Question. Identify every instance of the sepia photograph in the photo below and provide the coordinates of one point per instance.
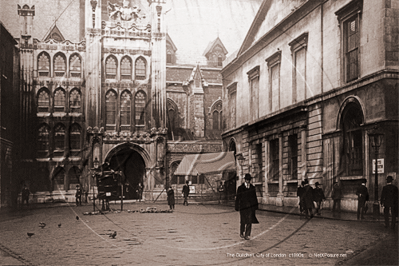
(199, 132)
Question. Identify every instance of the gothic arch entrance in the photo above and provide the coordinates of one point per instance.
(129, 159)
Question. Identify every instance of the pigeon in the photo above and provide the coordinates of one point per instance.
(113, 235)
(77, 218)
(59, 225)
(30, 234)
(42, 225)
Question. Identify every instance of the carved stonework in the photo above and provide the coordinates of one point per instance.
(124, 12)
(194, 148)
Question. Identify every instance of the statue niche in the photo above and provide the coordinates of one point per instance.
(124, 12)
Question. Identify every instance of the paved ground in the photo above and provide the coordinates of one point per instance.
(191, 235)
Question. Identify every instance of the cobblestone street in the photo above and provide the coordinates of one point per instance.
(191, 235)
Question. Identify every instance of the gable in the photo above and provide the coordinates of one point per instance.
(270, 14)
(55, 34)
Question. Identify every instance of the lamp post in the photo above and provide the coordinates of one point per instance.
(376, 140)
(96, 165)
(241, 160)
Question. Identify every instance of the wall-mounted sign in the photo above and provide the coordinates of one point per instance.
(380, 166)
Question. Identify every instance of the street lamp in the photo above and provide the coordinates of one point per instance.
(376, 140)
(241, 160)
(96, 165)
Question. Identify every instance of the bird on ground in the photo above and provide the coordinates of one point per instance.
(59, 225)
(113, 235)
(42, 225)
(30, 234)
(77, 218)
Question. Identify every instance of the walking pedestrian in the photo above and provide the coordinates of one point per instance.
(318, 196)
(78, 196)
(389, 199)
(25, 195)
(307, 199)
(362, 196)
(185, 191)
(246, 203)
(336, 196)
(299, 193)
(221, 192)
(139, 191)
(171, 198)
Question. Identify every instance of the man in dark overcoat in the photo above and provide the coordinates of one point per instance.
(247, 204)
(389, 199)
(307, 199)
(362, 196)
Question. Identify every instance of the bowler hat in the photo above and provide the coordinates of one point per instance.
(389, 179)
(317, 183)
(248, 177)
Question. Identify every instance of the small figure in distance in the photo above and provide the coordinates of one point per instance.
(185, 191)
(362, 196)
(389, 199)
(171, 198)
(318, 197)
(78, 196)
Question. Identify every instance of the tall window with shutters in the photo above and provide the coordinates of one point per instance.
(140, 113)
(125, 110)
(110, 110)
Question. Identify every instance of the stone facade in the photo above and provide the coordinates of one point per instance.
(305, 108)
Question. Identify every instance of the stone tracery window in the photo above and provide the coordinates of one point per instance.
(43, 139)
(75, 66)
(59, 65)
(74, 137)
(140, 68)
(75, 101)
(43, 101)
(59, 100)
(126, 68)
(43, 64)
(111, 67)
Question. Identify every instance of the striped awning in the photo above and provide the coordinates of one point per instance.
(206, 163)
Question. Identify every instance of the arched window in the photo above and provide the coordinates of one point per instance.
(110, 110)
(59, 65)
(173, 167)
(74, 137)
(43, 64)
(43, 140)
(353, 139)
(43, 100)
(110, 67)
(59, 100)
(75, 66)
(139, 104)
(173, 120)
(126, 68)
(217, 115)
(125, 110)
(59, 138)
(74, 101)
(140, 68)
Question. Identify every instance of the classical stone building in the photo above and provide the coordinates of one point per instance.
(132, 85)
(309, 84)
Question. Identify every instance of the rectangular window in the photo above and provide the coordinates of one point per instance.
(273, 63)
(253, 76)
(293, 156)
(349, 17)
(259, 155)
(352, 48)
(232, 92)
(300, 75)
(274, 159)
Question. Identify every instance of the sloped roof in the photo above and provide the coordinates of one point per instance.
(54, 31)
(206, 163)
(213, 44)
